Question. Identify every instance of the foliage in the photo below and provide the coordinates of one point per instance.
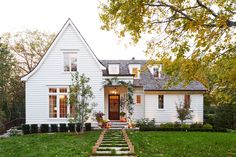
(65, 144)
(127, 100)
(146, 123)
(184, 112)
(194, 144)
(167, 125)
(63, 128)
(14, 132)
(88, 127)
(225, 116)
(34, 128)
(2, 120)
(207, 126)
(71, 127)
(28, 47)
(122, 114)
(26, 128)
(196, 125)
(44, 128)
(99, 116)
(185, 126)
(54, 128)
(194, 40)
(81, 95)
(11, 88)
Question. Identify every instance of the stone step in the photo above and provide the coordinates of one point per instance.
(113, 156)
(110, 152)
(116, 148)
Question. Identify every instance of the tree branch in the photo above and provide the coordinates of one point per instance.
(205, 7)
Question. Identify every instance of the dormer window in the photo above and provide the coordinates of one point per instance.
(113, 69)
(70, 61)
(156, 72)
(135, 70)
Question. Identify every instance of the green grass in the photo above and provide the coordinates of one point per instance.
(49, 145)
(183, 144)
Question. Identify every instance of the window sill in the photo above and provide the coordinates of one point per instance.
(160, 109)
(69, 72)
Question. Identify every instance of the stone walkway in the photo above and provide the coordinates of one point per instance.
(113, 143)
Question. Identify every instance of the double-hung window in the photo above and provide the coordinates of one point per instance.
(70, 61)
(160, 101)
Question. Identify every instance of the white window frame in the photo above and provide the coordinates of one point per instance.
(131, 66)
(58, 101)
(117, 66)
(158, 102)
(159, 70)
(69, 53)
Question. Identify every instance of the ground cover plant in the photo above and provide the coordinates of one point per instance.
(183, 144)
(58, 144)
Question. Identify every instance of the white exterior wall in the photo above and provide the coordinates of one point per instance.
(139, 108)
(169, 114)
(51, 73)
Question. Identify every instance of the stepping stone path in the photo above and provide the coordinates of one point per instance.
(113, 143)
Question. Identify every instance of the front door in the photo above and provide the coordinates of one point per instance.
(114, 107)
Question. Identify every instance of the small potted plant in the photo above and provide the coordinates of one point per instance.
(99, 118)
(122, 116)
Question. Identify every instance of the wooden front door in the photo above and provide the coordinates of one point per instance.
(114, 107)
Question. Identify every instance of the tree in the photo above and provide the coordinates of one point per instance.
(2, 120)
(183, 111)
(28, 47)
(193, 39)
(80, 96)
(11, 88)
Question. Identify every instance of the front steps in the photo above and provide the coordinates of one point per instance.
(118, 125)
(113, 143)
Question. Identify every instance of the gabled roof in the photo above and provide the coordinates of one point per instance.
(68, 23)
(147, 80)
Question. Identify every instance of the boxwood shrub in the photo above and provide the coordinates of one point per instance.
(78, 126)
(26, 128)
(44, 128)
(88, 127)
(34, 128)
(54, 128)
(71, 127)
(63, 128)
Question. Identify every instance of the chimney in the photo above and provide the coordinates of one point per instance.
(133, 58)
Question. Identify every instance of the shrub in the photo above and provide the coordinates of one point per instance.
(196, 125)
(88, 127)
(26, 128)
(54, 128)
(71, 127)
(44, 128)
(146, 123)
(177, 125)
(34, 128)
(207, 126)
(185, 126)
(63, 128)
(78, 126)
(167, 125)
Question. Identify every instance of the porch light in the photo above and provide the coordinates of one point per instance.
(55, 108)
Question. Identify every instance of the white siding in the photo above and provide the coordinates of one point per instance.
(51, 74)
(169, 114)
(139, 108)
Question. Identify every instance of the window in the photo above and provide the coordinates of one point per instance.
(113, 68)
(156, 72)
(187, 100)
(138, 99)
(52, 106)
(70, 61)
(58, 100)
(160, 101)
(135, 72)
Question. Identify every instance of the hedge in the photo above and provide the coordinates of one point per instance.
(34, 128)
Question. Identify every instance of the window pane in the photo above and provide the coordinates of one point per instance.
(73, 63)
(160, 101)
(52, 90)
(135, 72)
(156, 72)
(187, 100)
(138, 99)
(63, 106)
(52, 106)
(66, 62)
(63, 90)
(72, 111)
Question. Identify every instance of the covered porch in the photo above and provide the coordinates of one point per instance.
(115, 103)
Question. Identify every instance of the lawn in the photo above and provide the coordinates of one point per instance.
(184, 144)
(49, 145)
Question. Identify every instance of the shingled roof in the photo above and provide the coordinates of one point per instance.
(147, 80)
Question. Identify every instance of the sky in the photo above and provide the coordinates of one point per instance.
(50, 15)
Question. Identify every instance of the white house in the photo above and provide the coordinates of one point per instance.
(47, 85)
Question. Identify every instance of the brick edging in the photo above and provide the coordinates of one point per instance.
(130, 145)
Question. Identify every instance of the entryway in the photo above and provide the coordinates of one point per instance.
(114, 107)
